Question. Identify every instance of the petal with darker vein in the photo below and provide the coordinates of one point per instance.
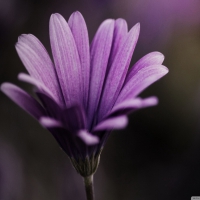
(118, 71)
(38, 63)
(141, 80)
(79, 30)
(153, 58)
(66, 60)
(100, 52)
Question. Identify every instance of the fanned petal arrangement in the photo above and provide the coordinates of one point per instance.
(87, 90)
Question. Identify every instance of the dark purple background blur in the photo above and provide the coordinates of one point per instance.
(157, 156)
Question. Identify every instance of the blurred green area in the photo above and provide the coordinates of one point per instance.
(156, 156)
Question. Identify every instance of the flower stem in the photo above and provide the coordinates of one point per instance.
(89, 187)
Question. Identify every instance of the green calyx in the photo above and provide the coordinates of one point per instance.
(86, 167)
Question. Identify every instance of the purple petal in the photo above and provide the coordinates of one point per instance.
(129, 105)
(26, 78)
(100, 52)
(79, 30)
(50, 122)
(118, 71)
(74, 118)
(52, 108)
(153, 58)
(119, 122)
(88, 138)
(66, 60)
(120, 33)
(150, 101)
(141, 80)
(24, 100)
(66, 139)
(38, 63)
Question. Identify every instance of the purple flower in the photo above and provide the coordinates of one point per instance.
(88, 90)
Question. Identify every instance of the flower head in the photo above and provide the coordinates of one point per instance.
(88, 90)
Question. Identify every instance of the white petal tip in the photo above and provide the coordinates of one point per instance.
(49, 122)
(158, 55)
(150, 101)
(21, 76)
(21, 37)
(77, 13)
(55, 16)
(88, 138)
(165, 69)
(119, 122)
(135, 30)
(121, 20)
(4, 87)
(138, 25)
(123, 123)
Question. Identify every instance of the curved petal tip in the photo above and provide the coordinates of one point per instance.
(7, 88)
(88, 138)
(118, 122)
(49, 122)
(150, 101)
(3, 87)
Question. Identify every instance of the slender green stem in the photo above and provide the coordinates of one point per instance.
(89, 188)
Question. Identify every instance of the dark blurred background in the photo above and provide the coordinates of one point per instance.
(157, 156)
